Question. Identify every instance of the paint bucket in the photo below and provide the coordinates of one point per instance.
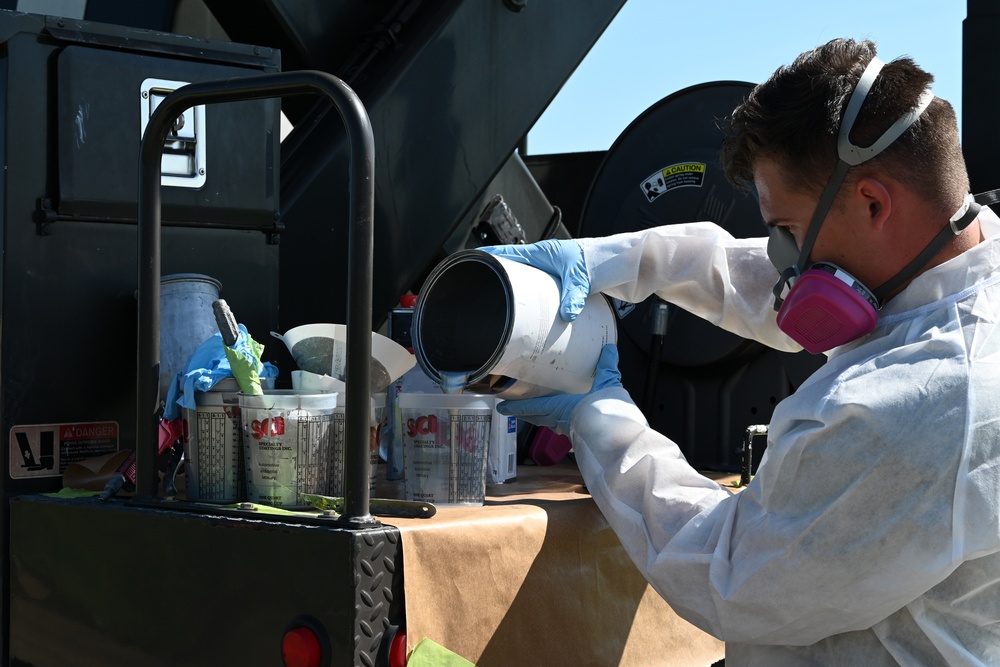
(186, 321)
(445, 442)
(213, 450)
(487, 325)
(288, 439)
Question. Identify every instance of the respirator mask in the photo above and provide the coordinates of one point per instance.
(820, 305)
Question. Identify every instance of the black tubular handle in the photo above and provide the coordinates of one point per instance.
(360, 263)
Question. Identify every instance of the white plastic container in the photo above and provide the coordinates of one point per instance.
(288, 438)
(488, 325)
(502, 457)
(445, 440)
(213, 450)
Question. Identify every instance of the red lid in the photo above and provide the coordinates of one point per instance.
(408, 300)
(300, 647)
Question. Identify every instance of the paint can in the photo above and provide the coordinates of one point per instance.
(186, 321)
(488, 325)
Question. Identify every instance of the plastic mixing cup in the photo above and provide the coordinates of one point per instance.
(445, 441)
(213, 449)
(288, 438)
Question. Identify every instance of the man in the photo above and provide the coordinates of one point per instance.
(871, 532)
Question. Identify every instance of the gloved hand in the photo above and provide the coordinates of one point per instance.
(560, 258)
(555, 411)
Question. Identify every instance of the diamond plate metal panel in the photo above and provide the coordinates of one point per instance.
(378, 590)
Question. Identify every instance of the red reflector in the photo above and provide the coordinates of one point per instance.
(300, 647)
(397, 649)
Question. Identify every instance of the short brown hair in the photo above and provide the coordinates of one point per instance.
(794, 118)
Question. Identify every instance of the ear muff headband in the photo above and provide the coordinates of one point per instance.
(855, 155)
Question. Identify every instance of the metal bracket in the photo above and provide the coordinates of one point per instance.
(274, 234)
(44, 216)
(497, 225)
(361, 189)
(746, 451)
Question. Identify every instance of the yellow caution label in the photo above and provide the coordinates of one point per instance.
(680, 175)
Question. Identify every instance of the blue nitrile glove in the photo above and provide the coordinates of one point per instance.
(555, 411)
(560, 258)
(208, 365)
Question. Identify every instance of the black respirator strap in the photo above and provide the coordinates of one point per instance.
(988, 198)
(949, 231)
(826, 200)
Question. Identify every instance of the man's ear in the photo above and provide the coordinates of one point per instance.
(875, 197)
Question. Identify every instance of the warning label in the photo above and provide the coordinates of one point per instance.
(622, 308)
(680, 175)
(44, 450)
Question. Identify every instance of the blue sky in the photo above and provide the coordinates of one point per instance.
(656, 47)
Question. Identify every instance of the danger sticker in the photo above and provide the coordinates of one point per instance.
(680, 175)
(45, 450)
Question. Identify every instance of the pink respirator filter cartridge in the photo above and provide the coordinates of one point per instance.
(823, 311)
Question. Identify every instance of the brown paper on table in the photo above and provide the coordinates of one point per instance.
(92, 474)
(537, 577)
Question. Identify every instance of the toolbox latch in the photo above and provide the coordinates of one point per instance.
(183, 163)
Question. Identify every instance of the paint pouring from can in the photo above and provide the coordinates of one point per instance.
(487, 325)
(453, 382)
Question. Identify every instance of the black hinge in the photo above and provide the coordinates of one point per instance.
(45, 215)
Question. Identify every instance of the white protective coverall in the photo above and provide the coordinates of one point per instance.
(871, 532)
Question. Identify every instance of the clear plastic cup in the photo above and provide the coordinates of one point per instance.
(445, 442)
(288, 438)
